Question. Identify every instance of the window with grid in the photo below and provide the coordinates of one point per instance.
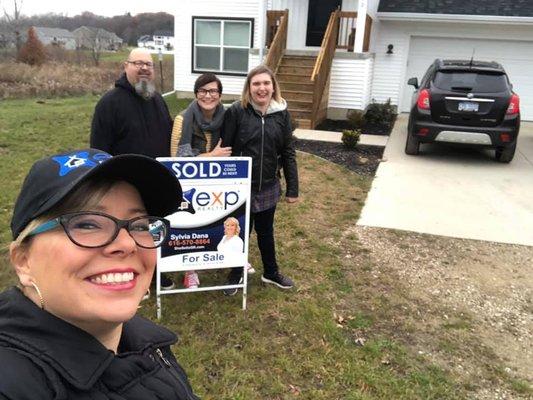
(221, 45)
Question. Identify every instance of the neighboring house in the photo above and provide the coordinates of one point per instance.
(89, 37)
(7, 39)
(357, 63)
(164, 40)
(160, 40)
(145, 41)
(56, 37)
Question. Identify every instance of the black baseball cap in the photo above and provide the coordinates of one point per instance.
(51, 179)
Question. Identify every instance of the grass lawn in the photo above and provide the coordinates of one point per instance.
(122, 54)
(328, 339)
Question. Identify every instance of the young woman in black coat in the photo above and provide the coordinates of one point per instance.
(259, 126)
(86, 227)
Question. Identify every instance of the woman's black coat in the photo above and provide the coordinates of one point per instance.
(43, 357)
(267, 139)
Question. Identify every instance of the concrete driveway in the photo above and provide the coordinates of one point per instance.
(452, 191)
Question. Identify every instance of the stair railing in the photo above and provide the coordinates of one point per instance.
(278, 22)
(322, 68)
(346, 37)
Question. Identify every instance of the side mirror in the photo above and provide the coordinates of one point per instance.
(413, 82)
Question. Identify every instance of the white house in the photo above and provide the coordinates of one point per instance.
(371, 57)
(145, 41)
(163, 40)
(160, 40)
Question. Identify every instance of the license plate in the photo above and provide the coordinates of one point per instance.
(468, 106)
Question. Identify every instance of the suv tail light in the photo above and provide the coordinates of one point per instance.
(423, 100)
(514, 105)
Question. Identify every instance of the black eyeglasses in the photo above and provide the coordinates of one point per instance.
(140, 64)
(212, 92)
(94, 229)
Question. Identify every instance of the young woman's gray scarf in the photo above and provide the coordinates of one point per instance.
(193, 117)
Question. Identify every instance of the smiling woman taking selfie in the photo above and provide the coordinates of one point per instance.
(259, 126)
(86, 227)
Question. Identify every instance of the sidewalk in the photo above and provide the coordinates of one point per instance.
(327, 136)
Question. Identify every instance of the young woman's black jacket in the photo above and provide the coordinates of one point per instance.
(45, 358)
(267, 139)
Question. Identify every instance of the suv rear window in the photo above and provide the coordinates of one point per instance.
(480, 82)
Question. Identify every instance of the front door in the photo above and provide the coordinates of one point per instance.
(317, 19)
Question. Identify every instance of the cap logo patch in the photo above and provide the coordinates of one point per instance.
(70, 162)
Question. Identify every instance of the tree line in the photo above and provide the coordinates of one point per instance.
(128, 27)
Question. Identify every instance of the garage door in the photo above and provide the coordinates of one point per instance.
(515, 56)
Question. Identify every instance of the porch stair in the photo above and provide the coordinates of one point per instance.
(294, 78)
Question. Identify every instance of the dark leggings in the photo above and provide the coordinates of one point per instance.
(263, 221)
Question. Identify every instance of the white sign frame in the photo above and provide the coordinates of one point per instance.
(214, 188)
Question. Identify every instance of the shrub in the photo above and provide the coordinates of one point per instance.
(53, 80)
(381, 113)
(350, 138)
(356, 119)
(33, 51)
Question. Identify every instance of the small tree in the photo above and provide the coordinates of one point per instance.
(33, 51)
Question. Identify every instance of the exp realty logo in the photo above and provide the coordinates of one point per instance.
(203, 200)
(208, 201)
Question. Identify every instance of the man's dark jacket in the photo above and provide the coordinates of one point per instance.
(45, 358)
(124, 122)
(267, 139)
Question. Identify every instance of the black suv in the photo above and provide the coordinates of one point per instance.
(465, 102)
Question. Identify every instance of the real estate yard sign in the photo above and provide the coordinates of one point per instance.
(214, 189)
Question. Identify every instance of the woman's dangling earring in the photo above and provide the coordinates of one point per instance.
(145, 297)
(41, 299)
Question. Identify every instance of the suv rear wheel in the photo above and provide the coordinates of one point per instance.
(505, 154)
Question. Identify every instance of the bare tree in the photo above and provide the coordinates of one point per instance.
(14, 22)
(93, 39)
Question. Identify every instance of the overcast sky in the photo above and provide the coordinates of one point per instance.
(106, 8)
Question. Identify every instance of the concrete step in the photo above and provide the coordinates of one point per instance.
(295, 69)
(297, 95)
(336, 137)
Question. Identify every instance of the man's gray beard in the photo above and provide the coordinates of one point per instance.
(145, 89)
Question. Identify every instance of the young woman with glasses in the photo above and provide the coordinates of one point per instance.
(86, 227)
(196, 132)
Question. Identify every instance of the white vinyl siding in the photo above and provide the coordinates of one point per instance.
(297, 22)
(388, 68)
(350, 83)
(185, 9)
(298, 13)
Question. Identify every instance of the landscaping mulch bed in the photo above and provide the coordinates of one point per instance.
(341, 125)
(364, 159)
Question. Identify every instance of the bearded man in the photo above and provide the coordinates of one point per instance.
(133, 117)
